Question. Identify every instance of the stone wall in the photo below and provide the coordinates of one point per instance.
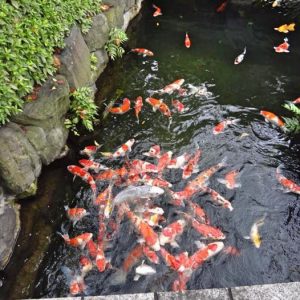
(37, 136)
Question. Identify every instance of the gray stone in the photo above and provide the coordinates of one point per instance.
(279, 291)
(148, 296)
(20, 164)
(131, 12)
(75, 60)
(208, 294)
(129, 4)
(102, 60)
(115, 14)
(52, 104)
(98, 33)
(9, 230)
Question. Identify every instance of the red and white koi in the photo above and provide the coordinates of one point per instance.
(156, 181)
(222, 7)
(85, 265)
(272, 118)
(289, 185)
(219, 128)
(187, 41)
(179, 162)
(155, 103)
(230, 180)
(154, 151)
(124, 149)
(90, 151)
(150, 254)
(172, 87)
(198, 212)
(219, 199)
(76, 214)
(178, 105)
(164, 161)
(157, 11)
(138, 166)
(92, 165)
(78, 241)
(122, 109)
(77, 285)
(142, 51)
(138, 107)
(171, 232)
(190, 167)
(283, 48)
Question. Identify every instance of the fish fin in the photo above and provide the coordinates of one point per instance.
(222, 180)
(136, 277)
(74, 178)
(237, 185)
(247, 237)
(141, 241)
(174, 244)
(196, 170)
(74, 223)
(97, 144)
(245, 50)
(154, 108)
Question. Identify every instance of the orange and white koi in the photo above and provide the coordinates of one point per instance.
(138, 107)
(84, 175)
(76, 214)
(219, 199)
(78, 241)
(85, 265)
(145, 230)
(283, 48)
(190, 167)
(222, 7)
(296, 101)
(179, 162)
(165, 110)
(155, 103)
(154, 151)
(170, 233)
(90, 151)
(172, 87)
(164, 160)
(179, 284)
(142, 51)
(270, 117)
(187, 41)
(289, 185)
(124, 149)
(219, 128)
(150, 254)
(157, 11)
(92, 165)
(178, 105)
(156, 181)
(109, 202)
(230, 180)
(122, 109)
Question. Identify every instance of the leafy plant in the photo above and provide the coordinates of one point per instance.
(30, 33)
(83, 110)
(292, 125)
(94, 61)
(113, 46)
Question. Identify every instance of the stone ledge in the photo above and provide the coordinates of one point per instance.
(277, 291)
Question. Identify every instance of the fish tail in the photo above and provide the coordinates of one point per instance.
(245, 50)
(235, 121)
(291, 27)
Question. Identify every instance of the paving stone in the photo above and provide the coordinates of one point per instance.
(280, 291)
(207, 294)
(148, 296)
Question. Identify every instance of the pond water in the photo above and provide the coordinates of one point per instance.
(264, 80)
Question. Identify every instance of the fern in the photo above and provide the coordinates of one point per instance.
(292, 107)
(292, 125)
(113, 46)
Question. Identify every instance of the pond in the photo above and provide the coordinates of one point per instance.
(263, 81)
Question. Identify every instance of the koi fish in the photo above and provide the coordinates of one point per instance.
(133, 257)
(157, 11)
(101, 262)
(133, 193)
(153, 219)
(92, 248)
(102, 197)
(178, 105)
(179, 284)
(145, 230)
(150, 254)
(254, 234)
(219, 128)
(109, 202)
(84, 175)
(297, 101)
(76, 214)
(90, 151)
(198, 212)
(107, 175)
(124, 149)
(218, 199)
(190, 167)
(164, 160)
(170, 232)
(232, 250)
(285, 28)
(276, 3)
(78, 241)
(222, 7)
(240, 58)
(142, 51)
(122, 109)
(283, 48)
(156, 181)
(270, 117)
(165, 110)
(77, 285)
(289, 185)
(138, 107)
(155, 103)
(187, 41)
(170, 260)
(230, 180)
(178, 162)
(143, 270)
(154, 151)
(139, 166)
(85, 265)
(170, 88)
(92, 165)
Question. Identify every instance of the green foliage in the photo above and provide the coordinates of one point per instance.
(82, 110)
(113, 46)
(30, 32)
(94, 61)
(292, 125)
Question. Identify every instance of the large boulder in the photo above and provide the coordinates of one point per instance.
(75, 60)
(97, 36)
(114, 15)
(20, 164)
(9, 230)
(131, 10)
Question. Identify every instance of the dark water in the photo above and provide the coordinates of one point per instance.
(264, 80)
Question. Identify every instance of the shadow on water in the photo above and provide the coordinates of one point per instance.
(264, 80)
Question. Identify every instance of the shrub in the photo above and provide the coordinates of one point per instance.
(30, 32)
(113, 46)
(292, 125)
(82, 110)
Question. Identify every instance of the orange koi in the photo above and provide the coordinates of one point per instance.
(122, 109)
(219, 128)
(270, 117)
(155, 103)
(187, 41)
(78, 241)
(150, 254)
(124, 149)
(157, 11)
(165, 110)
(92, 248)
(133, 257)
(289, 185)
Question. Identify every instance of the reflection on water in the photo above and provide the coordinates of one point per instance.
(219, 90)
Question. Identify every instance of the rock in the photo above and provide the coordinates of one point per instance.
(20, 164)
(131, 12)
(206, 294)
(129, 4)
(115, 14)
(102, 60)
(52, 104)
(98, 34)
(75, 60)
(9, 230)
